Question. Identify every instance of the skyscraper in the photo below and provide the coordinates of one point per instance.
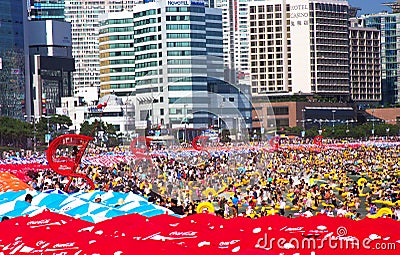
(365, 65)
(177, 54)
(12, 62)
(389, 26)
(46, 9)
(83, 16)
(299, 47)
(235, 32)
(117, 53)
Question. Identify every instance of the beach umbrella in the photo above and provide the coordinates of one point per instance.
(12, 207)
(153, 212)
(43, 199)
(91, 218)
(129, 225)
(141, 209)
(134, 197)
(9, 182)
(30, 210)
(46, 219)
(111, 198)
(86, 208)
(109, 213)
(60, 205)
(131, 205)
(68, 204)
(15, 195)
(47, 233)
(88, 196)
(56, 191)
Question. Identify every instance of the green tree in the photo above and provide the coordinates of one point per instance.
(103, 133)
(55, 125)
(14, 133)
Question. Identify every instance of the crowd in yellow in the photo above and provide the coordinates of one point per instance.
(343, 181)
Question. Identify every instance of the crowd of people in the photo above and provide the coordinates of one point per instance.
(255, 181)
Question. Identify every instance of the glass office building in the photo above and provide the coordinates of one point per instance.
(388, 24)
(46, 9)
(11, 59)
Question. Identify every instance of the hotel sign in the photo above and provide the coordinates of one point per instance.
(185, 3)
(299, 14)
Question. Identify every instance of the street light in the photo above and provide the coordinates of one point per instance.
(347, 125)
(303, 111)
(373, 122)
(320, 125)
(219, 119)
(47, 137)
(185, 120)
(34, 133)
(333, 121)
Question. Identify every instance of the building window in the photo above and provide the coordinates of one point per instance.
(278, 110)
(282, 122)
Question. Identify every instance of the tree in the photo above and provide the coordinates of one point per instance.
(103, 133)
(345, 131)
(55, 125)
(15, 133)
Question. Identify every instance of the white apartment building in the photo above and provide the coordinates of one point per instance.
(235, 32)
(365, 64)
(83, 16)
(299, 46)
(242, 43)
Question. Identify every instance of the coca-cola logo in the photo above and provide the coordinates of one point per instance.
(227, 243)
(39, 222)
(187, 233)
(64, 245)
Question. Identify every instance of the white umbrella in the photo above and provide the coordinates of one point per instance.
(10, 206)
(134, 197)
(72, 203)
(130, 205)
(88, 196)
(47, 198)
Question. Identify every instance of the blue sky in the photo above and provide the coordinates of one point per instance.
(370, 6)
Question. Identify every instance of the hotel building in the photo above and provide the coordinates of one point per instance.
(365, 66)
(299, 47)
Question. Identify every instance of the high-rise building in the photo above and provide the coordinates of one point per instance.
(365, 66)
(299, 46)
(235, 32)
(178, 62)
(46, 10)
(12, 61)
(83, 16)
(241, 42)
(117, 53)
(51, 64)
(389, 26)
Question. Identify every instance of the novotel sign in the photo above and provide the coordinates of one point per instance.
(185, 3)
